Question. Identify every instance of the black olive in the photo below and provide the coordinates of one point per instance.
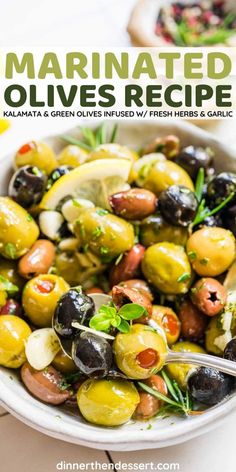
(74, 305)
(57, 173)
(230, 350)
(220, 187)
(178, 205)
(229, 218)
(92, 354)
(212, 221)
(27, 186)
(209, 386)
(193, 158)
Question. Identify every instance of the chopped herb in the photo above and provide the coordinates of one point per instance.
(85, 248)
(119, 258)
(10, 250)
(6, 285)
(29, 217)
(97, 232)
(149, 426)
(184, 277)
(76, 203)
(101, 212)
(204, 261)
(104, 250)
(192, 255)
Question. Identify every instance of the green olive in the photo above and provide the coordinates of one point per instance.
(164, 174)
(18, 230)
(140, 352)
(179, 372)
(64, 364)
(105, 234)
(211, 250)
(67, 266)
(154, 229)
(36, 154)
(3, 297)
(40, 297)
(107, 402)
(166, 266)
(13, 333)
(72, 156)
(8, 269)
(214, 330)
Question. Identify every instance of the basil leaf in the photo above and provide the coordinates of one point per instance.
(132, 311)
(115, 322)
(108, 311)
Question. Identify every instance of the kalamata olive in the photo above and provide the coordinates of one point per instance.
(122, 295)
(128, 267)
(230, 350)
(133, 204)
(138, 284)
(93, 290)
(192, 158)
(92, 355)
(221, 186)
(27, 186)
(72, 306)
(11, 307)
(209, 296)
(150, 405)
(178, 205)
(38, 259)
(209, 386)
(57, 173)
(44, 384)
(193, 321)
(168, 145)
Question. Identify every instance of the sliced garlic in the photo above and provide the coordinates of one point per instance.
(50, 222)
(72, 209)
(41, 348)
(223, 340)
(68, 244)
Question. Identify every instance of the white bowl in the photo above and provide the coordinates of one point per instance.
(64, 424)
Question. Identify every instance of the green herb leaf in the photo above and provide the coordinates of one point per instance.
(192, 255)
(76, 142)
(10, 250)
(113, 134)
(6, 285)
(132, 311)
(184, 277)
(169, 385)
(204, 213)
(124, 327)
(100, 322)
(199, 184)
(101, 212)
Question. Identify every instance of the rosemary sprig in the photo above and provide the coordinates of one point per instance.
(178, 402)
(92, 139)
(203, 212)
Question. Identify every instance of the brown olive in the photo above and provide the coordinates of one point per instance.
(138, 284)
(38, 259)
(44, 384)
(150, 405)
(209, 296)
(122, 295)
(128, 267)
(134, 204)
(193, 321)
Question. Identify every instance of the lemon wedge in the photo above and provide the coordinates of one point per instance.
(4, 125)
(93, 181)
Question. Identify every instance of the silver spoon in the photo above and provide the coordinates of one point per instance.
(206, 360)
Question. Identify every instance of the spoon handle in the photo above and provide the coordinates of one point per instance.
(206, 360)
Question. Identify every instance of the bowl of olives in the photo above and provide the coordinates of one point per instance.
(117, 274)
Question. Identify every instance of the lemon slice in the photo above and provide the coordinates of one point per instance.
(4, 125)
(93, 181)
